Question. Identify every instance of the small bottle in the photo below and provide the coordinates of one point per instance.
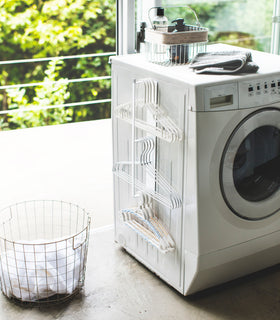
(160, 22)
(179, 53)
(141, 38)
(180, 25)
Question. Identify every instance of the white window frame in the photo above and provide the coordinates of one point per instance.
(126, 23)
(125, 26)
(275, 41)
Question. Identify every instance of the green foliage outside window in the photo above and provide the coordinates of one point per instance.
(50, 28)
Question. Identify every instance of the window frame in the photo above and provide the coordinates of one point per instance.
(125, 24)
(275, 41)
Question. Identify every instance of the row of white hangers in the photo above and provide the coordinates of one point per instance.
(145, 113)
(163, 190)
(162, 126)
(147, 225)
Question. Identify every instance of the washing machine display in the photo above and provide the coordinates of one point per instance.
(250, 166)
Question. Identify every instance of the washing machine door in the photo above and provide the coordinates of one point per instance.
(250, 166)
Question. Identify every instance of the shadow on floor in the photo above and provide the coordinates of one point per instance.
(255, 296)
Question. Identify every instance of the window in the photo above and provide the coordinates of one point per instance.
(245, 23)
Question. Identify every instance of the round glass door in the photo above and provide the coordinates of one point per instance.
(250, 166)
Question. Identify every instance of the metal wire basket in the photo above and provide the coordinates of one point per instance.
(43, 251)
(172, 54)
(169, 48)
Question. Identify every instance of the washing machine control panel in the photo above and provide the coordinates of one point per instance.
(258, 92)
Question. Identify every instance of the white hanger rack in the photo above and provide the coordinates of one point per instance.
(162, 190)
(147, 225)
(162, 125)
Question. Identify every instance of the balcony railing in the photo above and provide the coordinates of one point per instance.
(37, 107)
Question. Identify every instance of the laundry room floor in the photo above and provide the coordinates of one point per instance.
(117, 287)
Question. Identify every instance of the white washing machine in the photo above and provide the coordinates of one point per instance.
(213, 175)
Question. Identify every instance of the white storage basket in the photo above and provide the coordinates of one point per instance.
(43, 250)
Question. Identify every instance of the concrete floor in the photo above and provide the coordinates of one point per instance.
(117, 287)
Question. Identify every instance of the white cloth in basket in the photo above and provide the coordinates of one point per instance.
(36, 270)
